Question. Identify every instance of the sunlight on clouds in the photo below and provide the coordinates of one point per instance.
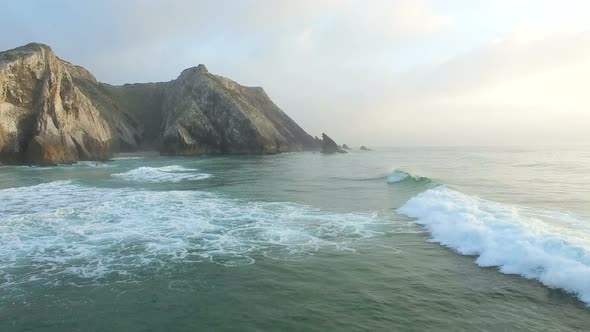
(527, 68)
(364, 71)
(562, 89)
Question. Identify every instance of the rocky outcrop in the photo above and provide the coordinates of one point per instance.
(329, 146)
(122, 109)
(44, 117)
(54, 112)
(364, 148)
(345, 147)
(208, 114)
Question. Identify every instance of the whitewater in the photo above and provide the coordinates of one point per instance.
(551, 247)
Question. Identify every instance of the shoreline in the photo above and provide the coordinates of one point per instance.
(147, 153)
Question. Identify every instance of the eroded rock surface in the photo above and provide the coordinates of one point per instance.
(44, 118)
(208, 114)
(54, 112)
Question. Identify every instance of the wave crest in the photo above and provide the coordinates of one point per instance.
(514, 239)
(401, 176)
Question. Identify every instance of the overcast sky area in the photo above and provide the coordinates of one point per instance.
(383, 73)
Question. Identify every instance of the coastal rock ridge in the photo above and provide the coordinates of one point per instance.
(54, 112)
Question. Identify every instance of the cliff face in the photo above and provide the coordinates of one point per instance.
(44, 118)
(54, 112)
(126, 130)
(204, 113)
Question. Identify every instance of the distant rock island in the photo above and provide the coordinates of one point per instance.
(329, 146)
(54, 112)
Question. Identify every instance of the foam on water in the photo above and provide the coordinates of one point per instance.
(62, 232)
(174, 173)
(128, 158)
(551, 247)
(96, 164)
(79, 164)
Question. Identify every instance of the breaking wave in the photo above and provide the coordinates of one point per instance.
(401, 176)
(551, 247)
(172, 173)
(391, 177)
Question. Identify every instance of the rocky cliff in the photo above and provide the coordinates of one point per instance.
(53, 112)
(44, 117)
(204, 113)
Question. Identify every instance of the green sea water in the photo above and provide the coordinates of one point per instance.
(396, 239)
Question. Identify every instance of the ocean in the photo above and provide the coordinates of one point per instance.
(396, 239)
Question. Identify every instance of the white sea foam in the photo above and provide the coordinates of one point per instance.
(174, 173)
(96, 164)
(128, 158)
(57, 231)
(553, 248)
(84, 163)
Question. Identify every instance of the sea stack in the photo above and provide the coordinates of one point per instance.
(329, 146)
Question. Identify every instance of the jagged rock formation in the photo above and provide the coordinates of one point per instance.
(54, 112)
(205, 113)
(345, 147)
(329, 146)
(364, 148)
(318, 142)
(44, 117)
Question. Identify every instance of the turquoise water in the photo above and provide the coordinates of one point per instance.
(456, 239)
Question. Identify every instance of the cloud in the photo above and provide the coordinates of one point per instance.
(521, 88)
(379, 72)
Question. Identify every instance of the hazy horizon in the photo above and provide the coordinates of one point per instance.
(382, 73)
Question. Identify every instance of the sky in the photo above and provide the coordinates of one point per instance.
(380, 73)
